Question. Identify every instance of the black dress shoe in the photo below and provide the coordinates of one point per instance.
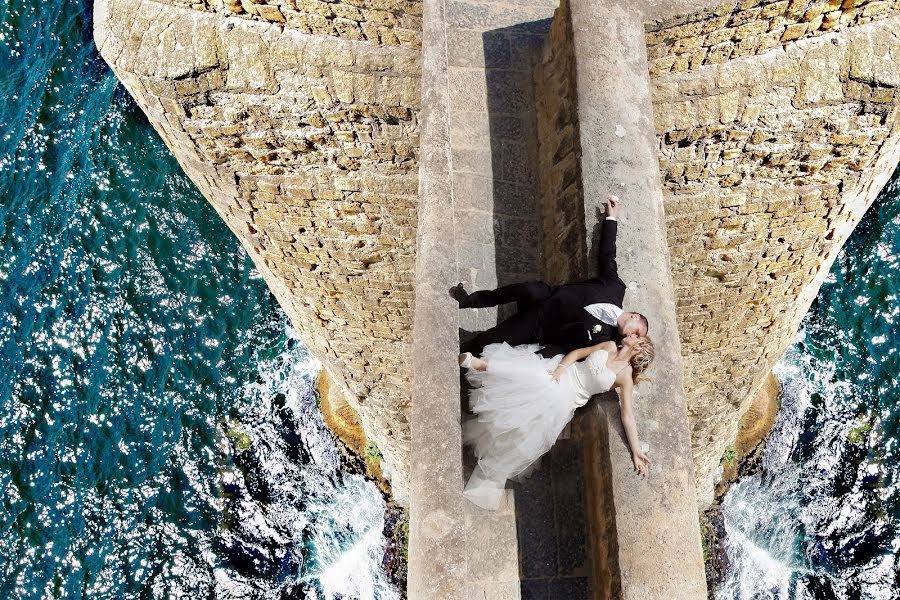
(460, 295)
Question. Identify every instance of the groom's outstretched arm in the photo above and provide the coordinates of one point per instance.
(607, 255)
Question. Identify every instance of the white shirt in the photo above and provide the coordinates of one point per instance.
(603, 311)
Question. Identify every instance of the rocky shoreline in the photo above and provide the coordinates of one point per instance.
(742, 459)
(360, 457)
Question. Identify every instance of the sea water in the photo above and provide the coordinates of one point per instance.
(822, 518)
(158, 430)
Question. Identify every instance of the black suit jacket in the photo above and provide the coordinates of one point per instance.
(563, 323)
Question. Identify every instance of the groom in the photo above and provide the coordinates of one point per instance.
(563, 317)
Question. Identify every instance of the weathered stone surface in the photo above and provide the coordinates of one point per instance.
(731, 29)
(754, 428)
(758, 203)
(875, 56)
(307, 146)
(386, 22)
(631, 517)
(559, 153)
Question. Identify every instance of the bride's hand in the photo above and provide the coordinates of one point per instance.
(556, 374)
(641, 462)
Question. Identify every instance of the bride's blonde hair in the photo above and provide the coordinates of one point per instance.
(641, 359)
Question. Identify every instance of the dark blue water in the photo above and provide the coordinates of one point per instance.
(822, 519)
(158, 431)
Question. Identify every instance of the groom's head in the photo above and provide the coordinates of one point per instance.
(632, 324)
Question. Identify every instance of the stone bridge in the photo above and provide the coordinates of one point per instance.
(369, 154)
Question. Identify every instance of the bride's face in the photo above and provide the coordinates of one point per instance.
(632, 342)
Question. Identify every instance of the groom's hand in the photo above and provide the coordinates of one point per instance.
(612, 207)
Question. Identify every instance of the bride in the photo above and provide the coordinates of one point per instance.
(523, 402)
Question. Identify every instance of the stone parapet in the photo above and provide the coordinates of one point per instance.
(767, 164)
(477, 223)
(437, 533)
(307, 146)
(638, 551)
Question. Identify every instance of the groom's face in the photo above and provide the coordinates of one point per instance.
(632, 325)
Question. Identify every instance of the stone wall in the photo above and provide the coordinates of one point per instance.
(559, 153)
(748, 27)
(298, 120)
(767, 163)
(306, 145)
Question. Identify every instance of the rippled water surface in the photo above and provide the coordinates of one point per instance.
(158, 431)
(822, 519)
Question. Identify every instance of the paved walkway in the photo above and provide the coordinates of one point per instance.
(553, 538)
(491, 51)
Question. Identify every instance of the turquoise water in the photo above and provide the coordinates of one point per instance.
(158, 431)
(822, 518)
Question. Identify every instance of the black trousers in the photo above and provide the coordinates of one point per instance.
(525, 295)
(521, 328)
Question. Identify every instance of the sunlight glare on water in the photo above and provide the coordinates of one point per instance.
(159, 435)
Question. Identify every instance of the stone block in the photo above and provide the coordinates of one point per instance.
(343, 85)
(774, 9)
(475, 226)
(535, 589)
(820, 75)
(745, 16)
(719, 53)
(751, 29)
(516, 163)
(686, 44)
(535, 517)
(270, 13)
(794, 31)
(493, 591)
(571, 588)
(871, 52)
(472, 160)
(488, 546)
(466, 48)
(729, 105)
(508, 91)
(875, 9)
(473, 192)
(468, 90)
(707, 110)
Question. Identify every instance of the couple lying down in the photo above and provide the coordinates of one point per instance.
(564, 344)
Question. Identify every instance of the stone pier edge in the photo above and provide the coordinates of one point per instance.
(437, 557)
(656, 543)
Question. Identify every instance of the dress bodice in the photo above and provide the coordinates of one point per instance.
(592, 376)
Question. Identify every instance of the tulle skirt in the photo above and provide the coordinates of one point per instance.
(520, 412)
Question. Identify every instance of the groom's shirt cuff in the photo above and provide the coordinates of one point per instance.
(611, 219)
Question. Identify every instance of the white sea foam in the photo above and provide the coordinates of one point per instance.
(328, 521)
(775, 521)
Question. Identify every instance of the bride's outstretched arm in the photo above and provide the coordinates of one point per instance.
(640, 460)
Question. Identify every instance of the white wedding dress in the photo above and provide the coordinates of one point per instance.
(521, 411)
